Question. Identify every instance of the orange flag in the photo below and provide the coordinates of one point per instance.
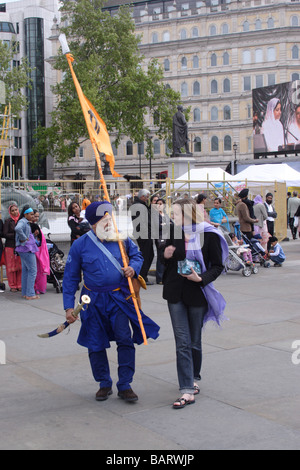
(96, 126)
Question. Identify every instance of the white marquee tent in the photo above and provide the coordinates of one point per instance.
(209, 174)
(269, 173)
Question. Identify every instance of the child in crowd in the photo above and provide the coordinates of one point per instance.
(242, 251)
(276, 254)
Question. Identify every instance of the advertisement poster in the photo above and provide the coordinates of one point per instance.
(276, 118)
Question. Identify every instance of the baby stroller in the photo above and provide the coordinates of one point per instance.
(258, 253)
(57, 265)
(234, 262)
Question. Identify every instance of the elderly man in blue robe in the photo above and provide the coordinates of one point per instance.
(111, 315)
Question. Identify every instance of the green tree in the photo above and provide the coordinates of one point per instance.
(109, 67)
(15, 77)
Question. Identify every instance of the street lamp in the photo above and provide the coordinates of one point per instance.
(233, 164)
(140, 152)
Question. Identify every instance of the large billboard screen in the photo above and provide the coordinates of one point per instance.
(276, 119)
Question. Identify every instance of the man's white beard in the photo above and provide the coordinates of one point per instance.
(108, 233)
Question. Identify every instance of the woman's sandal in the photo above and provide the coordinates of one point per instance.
(182, 402)
(196, 389)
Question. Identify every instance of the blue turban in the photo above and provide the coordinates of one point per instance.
(95, 211)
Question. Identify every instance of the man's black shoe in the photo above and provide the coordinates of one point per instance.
(128, 395)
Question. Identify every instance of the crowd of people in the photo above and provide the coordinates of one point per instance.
(191, 255)
(25, 252)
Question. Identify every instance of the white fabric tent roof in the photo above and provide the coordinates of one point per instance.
(206, 173)
(211, 174)
(269, 173)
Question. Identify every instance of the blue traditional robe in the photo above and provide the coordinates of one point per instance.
(101, 278)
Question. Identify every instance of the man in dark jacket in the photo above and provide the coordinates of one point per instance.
(141, 219)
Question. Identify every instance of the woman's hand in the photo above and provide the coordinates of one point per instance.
(193, 277)
(169, 251)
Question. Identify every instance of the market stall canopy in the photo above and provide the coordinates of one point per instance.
(281, 172)
(199, 178)
(206, 174)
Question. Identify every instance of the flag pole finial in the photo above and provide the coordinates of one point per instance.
(64, 43)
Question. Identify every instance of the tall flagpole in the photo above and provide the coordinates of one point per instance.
(70, 59)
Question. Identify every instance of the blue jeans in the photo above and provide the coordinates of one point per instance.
(126, 357)
(276, 259)
(29, 271)
(187, 325)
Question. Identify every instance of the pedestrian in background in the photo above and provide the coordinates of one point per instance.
(26, 248)
(12, 260)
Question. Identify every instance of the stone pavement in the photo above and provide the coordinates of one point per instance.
(250, 394)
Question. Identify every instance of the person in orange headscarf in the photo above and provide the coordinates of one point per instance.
(12, 261)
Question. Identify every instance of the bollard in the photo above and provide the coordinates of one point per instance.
(2, 353)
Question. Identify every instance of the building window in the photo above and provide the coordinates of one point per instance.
(156, 147)
(7, 27)
(258, 25)
(227, 113)
(227, 143)
(259, 81)
(166, 36)
(247, 83)
(225, 58)
(81, 152)
(213, 60)
(246, 57)
(183, 63)
(167, 65)
(129, 148)
(195, 62)
(295, 76)
(225, 29)
(184, 90)
(197, 144)
(271, 79)
(195, 32)
(154, 38)
(214, 86)
(212, 30)
(214, 114)
(294, 21)
(226, 85)
(214, 144)
(183, 34)
(258, 56)
(196, 115)
(246, 26)
(270, 23)
(196, 89)
(271, 54)
(295, 52)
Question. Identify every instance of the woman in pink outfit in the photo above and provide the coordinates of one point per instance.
(42, 258)
(12, 261)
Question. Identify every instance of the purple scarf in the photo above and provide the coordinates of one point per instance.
(215, 300)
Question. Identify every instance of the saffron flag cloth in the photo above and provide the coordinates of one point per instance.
(96, 126)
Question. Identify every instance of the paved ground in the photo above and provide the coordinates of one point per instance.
(250, 395)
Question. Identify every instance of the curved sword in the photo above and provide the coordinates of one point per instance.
(85, 300)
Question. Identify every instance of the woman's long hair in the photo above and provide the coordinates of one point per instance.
(190, 210)
(70, 209)
(22, 215)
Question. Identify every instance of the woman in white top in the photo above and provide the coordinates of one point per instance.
(272, 127)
